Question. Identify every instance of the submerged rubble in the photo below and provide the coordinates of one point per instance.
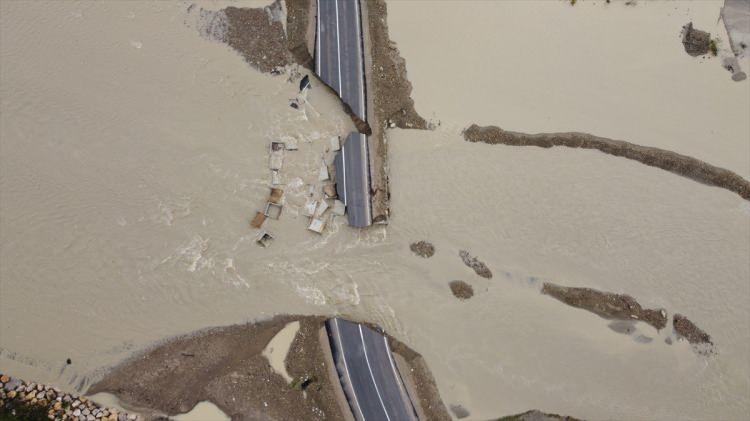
(606, 304)
(461, 290)
(696, 42)
(478, 266)
(683, 165)
(32, 401)
(688, 330)
(422, 249)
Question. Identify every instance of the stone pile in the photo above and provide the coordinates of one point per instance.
(17, 395)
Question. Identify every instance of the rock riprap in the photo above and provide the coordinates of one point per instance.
(37, 401)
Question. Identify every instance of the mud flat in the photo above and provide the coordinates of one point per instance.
(227, 367)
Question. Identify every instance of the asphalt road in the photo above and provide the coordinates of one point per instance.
(368, 373)
(340, 64)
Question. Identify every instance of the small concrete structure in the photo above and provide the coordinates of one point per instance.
(273, 210)
(276, 196)
(322, 207)
(264, 239)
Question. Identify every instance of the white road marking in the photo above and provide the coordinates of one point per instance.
(360, 61)
(372, 376)
(341, 94)
(346, 368)
(318, 52)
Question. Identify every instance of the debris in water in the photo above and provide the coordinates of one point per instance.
(335, 143)
(330, 191)
(696, 42)
(422, 249)
(323, 175)
(276, 195)
(309, 209)
(257, 222)
(322, 207)
(304, 83)
(277, 156)
(461, 290)
(339, 208)
(479, 267)
(273, 210)
(317, 225)
(264, 239)
(459, 411)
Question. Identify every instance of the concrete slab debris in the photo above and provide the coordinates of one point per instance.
(323, 175)
(322, 207)
(335, 143)
(290, 143)
(264, 239)
(330, 191)
(276, 196)
(276, 178)
(309, 209)
(273, 210)
(339, 208)
(276, 158)
(257, 222)
(317, 225)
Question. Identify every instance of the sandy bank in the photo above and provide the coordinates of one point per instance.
(683, 165)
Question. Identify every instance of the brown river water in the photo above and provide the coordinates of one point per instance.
(133, 153)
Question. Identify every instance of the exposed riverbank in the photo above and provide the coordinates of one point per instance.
(229, 367)
(683, 165)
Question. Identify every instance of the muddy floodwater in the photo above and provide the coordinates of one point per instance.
(134, 153)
